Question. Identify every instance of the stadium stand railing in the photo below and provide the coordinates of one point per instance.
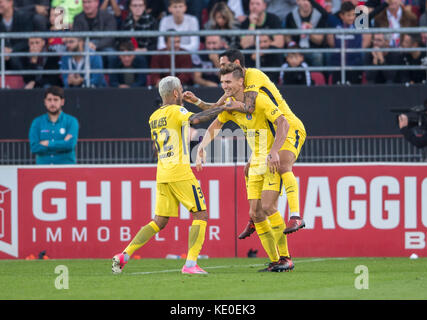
(384, 148)
(173, 70)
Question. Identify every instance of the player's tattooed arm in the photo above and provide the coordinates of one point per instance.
(205, 115)
(190, 97)
(247, 106)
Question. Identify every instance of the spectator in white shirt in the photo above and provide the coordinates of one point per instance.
(180, 21)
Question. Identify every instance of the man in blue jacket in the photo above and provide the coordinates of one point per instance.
(53, 136)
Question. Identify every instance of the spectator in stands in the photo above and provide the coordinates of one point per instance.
(395, 16)
(71, 8)
(281, 8)
(259, 18)
(305, 16)
(267, 60)
(114, 7)
(414, 58)
(180, 21)
(76, 63)
(12, 20)
(157, 8)
(357, 41)
(140, 20)
(131, 61)
(94, 19)
(381, 58)
(164, 62)
(221, 18)
(38, 45)
(240, 8)
(295, 60)
(208, 62)
(53, 136)
(38, 10)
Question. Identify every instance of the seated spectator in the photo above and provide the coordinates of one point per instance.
(38, 45)
(115, 8)
(381, 58)
(38, 10)
(164, 62)
(140, 20)
(12, 20)
(395, 16)
(71, 8)
(267, 60)
(259, 18)
(347, 15)
(280, 8)
(158, 9)
(295, 60)
(208, 62)
(222, 18)
(305, 16)
(128, 80)
(179, 21)
(414, 58)
(76, 62)
(94, 19)
(240, 8)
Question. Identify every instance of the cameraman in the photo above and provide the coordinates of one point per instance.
(415, 134)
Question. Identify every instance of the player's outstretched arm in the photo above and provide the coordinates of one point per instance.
(190, 97)
(273, 159)
(205, 115)
(210, 134)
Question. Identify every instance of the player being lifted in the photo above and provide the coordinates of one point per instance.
(176, 182)
(257, 84)
(266, 131)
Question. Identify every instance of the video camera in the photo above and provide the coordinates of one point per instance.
(417, 115)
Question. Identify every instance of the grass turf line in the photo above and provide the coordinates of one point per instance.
(228, 279)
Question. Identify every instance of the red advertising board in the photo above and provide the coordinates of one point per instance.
(94, 211)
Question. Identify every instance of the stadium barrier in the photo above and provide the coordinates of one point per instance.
(343, 50)
(93, 211)
(380, 148)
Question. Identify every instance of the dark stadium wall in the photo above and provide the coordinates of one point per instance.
(118, 113)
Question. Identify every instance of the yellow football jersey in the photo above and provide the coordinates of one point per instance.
(256, 80)
(258, 127)
(170, 133)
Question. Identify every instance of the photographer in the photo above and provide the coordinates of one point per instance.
(415, 130)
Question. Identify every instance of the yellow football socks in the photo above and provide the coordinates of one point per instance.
(196, 238)
(141, 238)
(291, 188)
(278, 225)
(268, 242)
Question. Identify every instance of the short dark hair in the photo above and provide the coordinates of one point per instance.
(126, 46)
(415, 38)
(233, 55)
(346, 7)
(56, 91)
(232, 68)
(171, 2)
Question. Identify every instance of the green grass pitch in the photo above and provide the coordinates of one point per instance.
(228, 279)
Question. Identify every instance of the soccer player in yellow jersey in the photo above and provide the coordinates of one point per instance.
(176, 182)
(257, 84)
(265, 130)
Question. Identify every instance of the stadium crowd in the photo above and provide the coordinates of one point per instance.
(193, 15)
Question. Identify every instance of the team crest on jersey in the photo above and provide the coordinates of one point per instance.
(248, 116)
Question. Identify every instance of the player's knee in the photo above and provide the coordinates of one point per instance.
(201, 215)
(269, 208)
(161, 222)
